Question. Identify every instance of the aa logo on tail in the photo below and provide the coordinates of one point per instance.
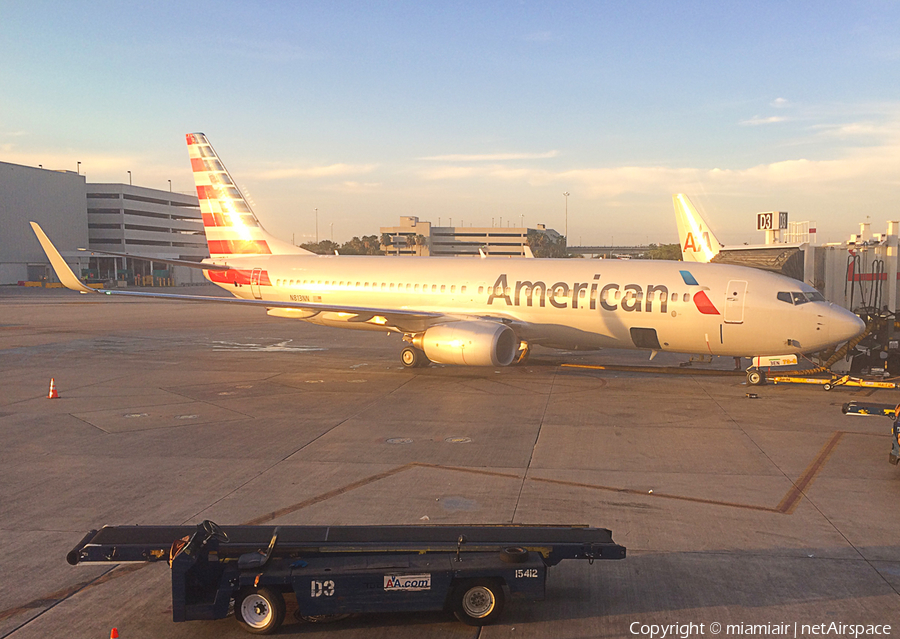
(696, 244)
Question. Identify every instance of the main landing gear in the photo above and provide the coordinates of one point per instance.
(412, 357)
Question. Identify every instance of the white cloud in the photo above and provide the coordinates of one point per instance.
(352, 186)
(757, 120)
(849, 130)
(870, 165)
(779, 103)
(315, 172)
(491, 157)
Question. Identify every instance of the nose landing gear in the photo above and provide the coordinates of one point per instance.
(756, 377)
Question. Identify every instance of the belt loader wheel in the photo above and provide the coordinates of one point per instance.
(756, 378)
(259, 610)
(478, 603)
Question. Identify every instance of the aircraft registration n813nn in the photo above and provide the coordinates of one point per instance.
(488, 311)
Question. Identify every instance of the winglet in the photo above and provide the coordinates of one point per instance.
(63, 272)
(528, 252)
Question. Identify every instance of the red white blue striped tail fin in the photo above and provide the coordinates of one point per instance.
(231, 227)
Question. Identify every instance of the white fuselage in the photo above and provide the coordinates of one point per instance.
(573, 304)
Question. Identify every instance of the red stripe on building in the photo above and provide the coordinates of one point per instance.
(239, 247)
(868, 277)
(197, 165)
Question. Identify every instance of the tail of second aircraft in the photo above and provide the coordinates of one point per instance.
(698, 243)
(231, 227)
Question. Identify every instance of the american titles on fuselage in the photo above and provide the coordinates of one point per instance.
(634, 297)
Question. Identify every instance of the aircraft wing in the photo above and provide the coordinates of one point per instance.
(403, 319)
(206, 266)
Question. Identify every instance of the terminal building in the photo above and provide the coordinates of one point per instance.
(119, 218)
(415, 237)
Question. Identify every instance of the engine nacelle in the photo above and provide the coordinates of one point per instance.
(470, 343)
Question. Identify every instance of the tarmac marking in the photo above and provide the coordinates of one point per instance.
(56, 597)
(792, 499)
(662, 370)
(786, 506)
(327, 495)
(644, 493)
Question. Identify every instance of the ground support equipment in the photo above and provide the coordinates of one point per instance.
(827, 383)
(339, 570)
(880, 410)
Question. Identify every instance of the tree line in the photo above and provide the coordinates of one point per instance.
(542, 245)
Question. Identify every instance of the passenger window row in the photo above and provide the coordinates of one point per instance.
(384, 286)
(615, 294)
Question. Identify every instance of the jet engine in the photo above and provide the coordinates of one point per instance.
(469, 343)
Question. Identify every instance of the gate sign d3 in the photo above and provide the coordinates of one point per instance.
(766, 221)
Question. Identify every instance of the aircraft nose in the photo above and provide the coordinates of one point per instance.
(844, 325)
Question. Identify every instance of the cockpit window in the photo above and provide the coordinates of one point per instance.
(800, 298)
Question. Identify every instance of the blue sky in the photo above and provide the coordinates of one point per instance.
(474, 110)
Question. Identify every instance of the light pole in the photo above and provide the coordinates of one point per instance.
(129, 178)
(317, 226)
(78, 169)
(566, 194)
(170, 186)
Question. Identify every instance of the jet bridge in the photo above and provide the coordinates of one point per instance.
(337, 570)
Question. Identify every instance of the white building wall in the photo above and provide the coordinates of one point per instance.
(53, 199)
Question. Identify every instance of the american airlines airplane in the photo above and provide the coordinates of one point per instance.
(489, 311)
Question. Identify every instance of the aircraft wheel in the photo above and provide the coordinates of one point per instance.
(478, 603)
(756, 378)
(412, 357)
(259, 611)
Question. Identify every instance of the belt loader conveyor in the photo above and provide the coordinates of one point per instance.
(335, 570)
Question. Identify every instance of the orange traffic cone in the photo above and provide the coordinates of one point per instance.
(114, 634)
(53, 394)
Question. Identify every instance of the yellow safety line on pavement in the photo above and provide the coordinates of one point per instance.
(666, 370)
